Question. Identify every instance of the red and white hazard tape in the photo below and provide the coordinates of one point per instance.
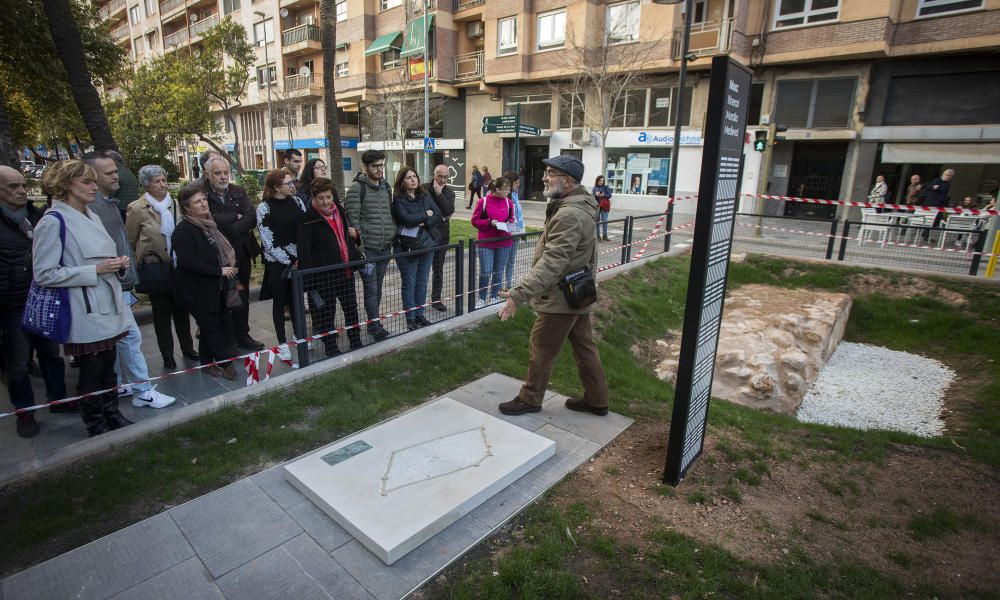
(956, 210)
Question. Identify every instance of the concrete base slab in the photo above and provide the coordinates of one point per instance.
(398, 484)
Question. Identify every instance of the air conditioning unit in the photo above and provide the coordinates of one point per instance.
(475, 30)
(581, 136)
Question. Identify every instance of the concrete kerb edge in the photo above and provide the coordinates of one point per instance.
(132, 433)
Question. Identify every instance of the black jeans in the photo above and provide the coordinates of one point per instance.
(166, 311)
(437, 274)
(97, 372)
(216, 330)
(281, 290)
(17, 344)
(324, 317)
(239, 318)
(373, 283)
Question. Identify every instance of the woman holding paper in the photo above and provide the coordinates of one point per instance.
(415, 214)
(493, 216)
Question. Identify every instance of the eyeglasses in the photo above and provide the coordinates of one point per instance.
(550, 173)
(321, 167)
(379, 166)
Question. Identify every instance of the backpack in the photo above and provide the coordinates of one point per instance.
(510, 210)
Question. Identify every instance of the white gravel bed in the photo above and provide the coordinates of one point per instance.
(868, 387)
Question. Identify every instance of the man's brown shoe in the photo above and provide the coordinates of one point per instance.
(516, 407)
(581, 406)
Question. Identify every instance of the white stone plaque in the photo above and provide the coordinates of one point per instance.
(399, 483)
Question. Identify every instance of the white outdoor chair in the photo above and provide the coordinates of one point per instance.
(959, 225)
(874, 224)
(914, 225)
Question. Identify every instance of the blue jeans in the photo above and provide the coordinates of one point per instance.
(17, 345)
(492, 262)
(602, 222)
(509, 267)
(131, 364)
(413, 271)
(373, 283)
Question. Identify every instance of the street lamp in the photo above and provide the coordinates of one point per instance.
(269, 153)
(682, 77)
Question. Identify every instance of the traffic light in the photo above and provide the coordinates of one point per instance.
(779, 129)
(760, 141)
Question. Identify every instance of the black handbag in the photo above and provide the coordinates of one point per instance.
(154, 277)
(579, 288)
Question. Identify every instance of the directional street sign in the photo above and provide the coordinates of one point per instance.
(530, 130)
(511, 128)
(500, 120)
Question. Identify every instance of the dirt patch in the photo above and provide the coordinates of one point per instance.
(825, 508)
(904, 287)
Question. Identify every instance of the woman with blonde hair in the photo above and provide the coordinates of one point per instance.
(73, 250)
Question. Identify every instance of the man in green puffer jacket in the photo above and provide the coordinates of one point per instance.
(369, 211)
(568, 243)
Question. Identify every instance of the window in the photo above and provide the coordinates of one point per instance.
(700, 11)
(929, 8)
(507, 35)
(663, 106)
(756, 101)
(630, 109)
(229, 6)
(387, 4)
(571, 110)
(308, 114)
(623, 22)
(151, 40)
(150, 7)
(815, 103)
(264, 79)
(342, 69)
(137, 47)
(391, 59)
(535, 109)
(285, 116)
(134, 15)
(263, 31)
(551, 30)
(790, 13)
(341, 10)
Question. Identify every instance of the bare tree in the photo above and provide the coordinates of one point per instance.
(604, 71)
(397, 107)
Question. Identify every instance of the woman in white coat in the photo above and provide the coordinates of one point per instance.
(84, 259)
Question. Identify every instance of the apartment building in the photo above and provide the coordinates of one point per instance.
(891, 87)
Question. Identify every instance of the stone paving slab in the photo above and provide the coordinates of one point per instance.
(259, 538)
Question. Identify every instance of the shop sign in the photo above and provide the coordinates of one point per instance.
(665, 138)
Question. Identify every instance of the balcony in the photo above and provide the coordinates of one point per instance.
(304, 85)
(712, 37)
(464, 4)
(168, 6)
(104, 12)
(204, 25)
(469, 67)
(178, 38)
(287, 3)
(120, 32)
(300, 40)
(468, 10)
(115, 7)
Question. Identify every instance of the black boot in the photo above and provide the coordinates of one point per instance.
(354, 336)
(92, 412)
(114, 417)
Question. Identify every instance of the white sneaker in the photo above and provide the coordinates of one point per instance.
(480, 303)
(284, 352)
(152, 399)
(124, 391)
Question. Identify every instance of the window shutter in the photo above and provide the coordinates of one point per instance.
(834, 100)
(792, 106)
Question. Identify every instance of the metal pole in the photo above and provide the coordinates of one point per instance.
(517, 140)
(427, 100)
(269, 152)
(676, 147)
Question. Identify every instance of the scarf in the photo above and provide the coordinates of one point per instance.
(227, 256)
(19, 216)
(166, 217)
(333, 219)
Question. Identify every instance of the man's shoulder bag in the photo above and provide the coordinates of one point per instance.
(579, 288)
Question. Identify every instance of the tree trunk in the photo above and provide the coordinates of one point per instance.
(328, 39)
(226, 155)
(69, 48)
(8, 149)
(237, 159)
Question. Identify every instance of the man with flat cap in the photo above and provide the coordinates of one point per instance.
(568, 243)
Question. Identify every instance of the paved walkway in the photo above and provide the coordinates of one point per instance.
(259, 538)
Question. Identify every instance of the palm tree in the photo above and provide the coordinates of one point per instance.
(328, 39)
(8, 151)
(69, 48)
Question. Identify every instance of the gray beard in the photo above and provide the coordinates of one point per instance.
(220, 190)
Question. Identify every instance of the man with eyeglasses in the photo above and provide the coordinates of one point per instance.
(568, 243)
(444, 197)
(236, 217)
(369, 208)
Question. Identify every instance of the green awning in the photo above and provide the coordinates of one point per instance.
(340, 46)
(383, 43)
(413, 41)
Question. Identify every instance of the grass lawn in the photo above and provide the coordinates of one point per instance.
(570, 545)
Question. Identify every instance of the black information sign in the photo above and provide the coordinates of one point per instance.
(721, 170)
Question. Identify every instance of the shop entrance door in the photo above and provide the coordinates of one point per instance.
(531, 187)
(817, 169)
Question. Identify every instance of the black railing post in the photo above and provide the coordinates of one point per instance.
(670, 224)
(459, 278)
(626, 229)
(630, 230)
(843, 240)
(299, 317)
(978, 256)
(833, 239)
(472, 293)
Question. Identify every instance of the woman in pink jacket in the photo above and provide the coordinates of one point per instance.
(492, 216)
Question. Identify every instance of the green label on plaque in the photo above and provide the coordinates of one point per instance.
(341, 454)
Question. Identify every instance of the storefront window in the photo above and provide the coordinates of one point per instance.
(638, 171)
(663, 106)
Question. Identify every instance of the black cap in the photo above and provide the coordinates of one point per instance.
(567, 164)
